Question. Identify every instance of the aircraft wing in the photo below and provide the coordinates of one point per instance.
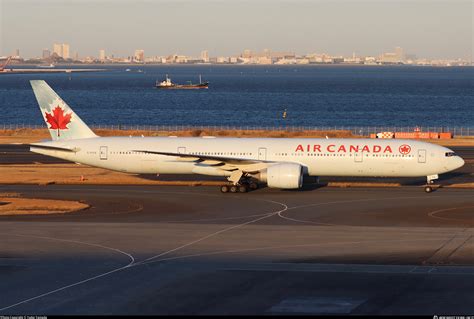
(221, 162)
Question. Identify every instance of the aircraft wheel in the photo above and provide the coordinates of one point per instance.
(233, 189)
(224, 189)
(428, 189)
(243, 189)
(253, 186)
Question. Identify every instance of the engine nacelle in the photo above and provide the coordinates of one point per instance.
(285, 175)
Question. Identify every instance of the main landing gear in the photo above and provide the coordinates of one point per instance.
(429, 187)
(243, 187)
(240, 183)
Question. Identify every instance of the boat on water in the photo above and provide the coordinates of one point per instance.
(167, 84)
(52, 65)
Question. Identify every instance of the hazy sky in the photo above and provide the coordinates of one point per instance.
(437, 29)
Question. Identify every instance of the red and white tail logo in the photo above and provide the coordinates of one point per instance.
(58, 120)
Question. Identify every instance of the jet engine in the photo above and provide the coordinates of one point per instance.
(286, 176)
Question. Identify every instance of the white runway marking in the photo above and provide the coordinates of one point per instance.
(433, 214)
(220, 231)
(132, 263)
(132, 260)
(233, 251)
(211, 219)
(65, 287)
(146, 261)
(341, 202)
(151, 259)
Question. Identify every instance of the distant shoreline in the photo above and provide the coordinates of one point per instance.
(245, 65)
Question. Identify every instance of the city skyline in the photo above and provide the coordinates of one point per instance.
(429, 29)
(61, 54)
(63, 50)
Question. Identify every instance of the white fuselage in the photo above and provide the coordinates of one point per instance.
(318, 157)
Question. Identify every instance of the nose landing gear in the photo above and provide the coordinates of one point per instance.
(430, 187)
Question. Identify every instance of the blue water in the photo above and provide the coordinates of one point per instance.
(255, 96)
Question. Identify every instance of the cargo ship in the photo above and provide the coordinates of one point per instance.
(52, 65)
(167, 84)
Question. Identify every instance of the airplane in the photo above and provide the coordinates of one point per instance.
(245, 162)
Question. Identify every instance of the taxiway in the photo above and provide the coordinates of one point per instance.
(191, 250)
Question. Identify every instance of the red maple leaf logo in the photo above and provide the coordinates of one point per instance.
(58, 120)
(404, 149)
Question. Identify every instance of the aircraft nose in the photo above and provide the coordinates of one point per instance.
(459, 162)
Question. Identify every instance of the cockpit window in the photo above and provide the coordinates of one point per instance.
(449, 154)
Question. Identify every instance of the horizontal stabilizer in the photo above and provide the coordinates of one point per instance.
(54, 148)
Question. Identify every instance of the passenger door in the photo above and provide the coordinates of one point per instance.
(181, 150)
(262, 154)
(103, 153)
(358, 157)
(421, 156)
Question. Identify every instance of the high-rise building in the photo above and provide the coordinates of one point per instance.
(393, 57)
(205, 56)
(247, 53)
(399, 54)
(16, 53)
(58, 49)
(65, 51)
(62, 50)
(46, 53)
(102, 55)
(139, 56)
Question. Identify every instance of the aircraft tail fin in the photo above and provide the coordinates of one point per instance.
(62, 122)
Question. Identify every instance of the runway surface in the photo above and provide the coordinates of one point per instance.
(192, 250)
